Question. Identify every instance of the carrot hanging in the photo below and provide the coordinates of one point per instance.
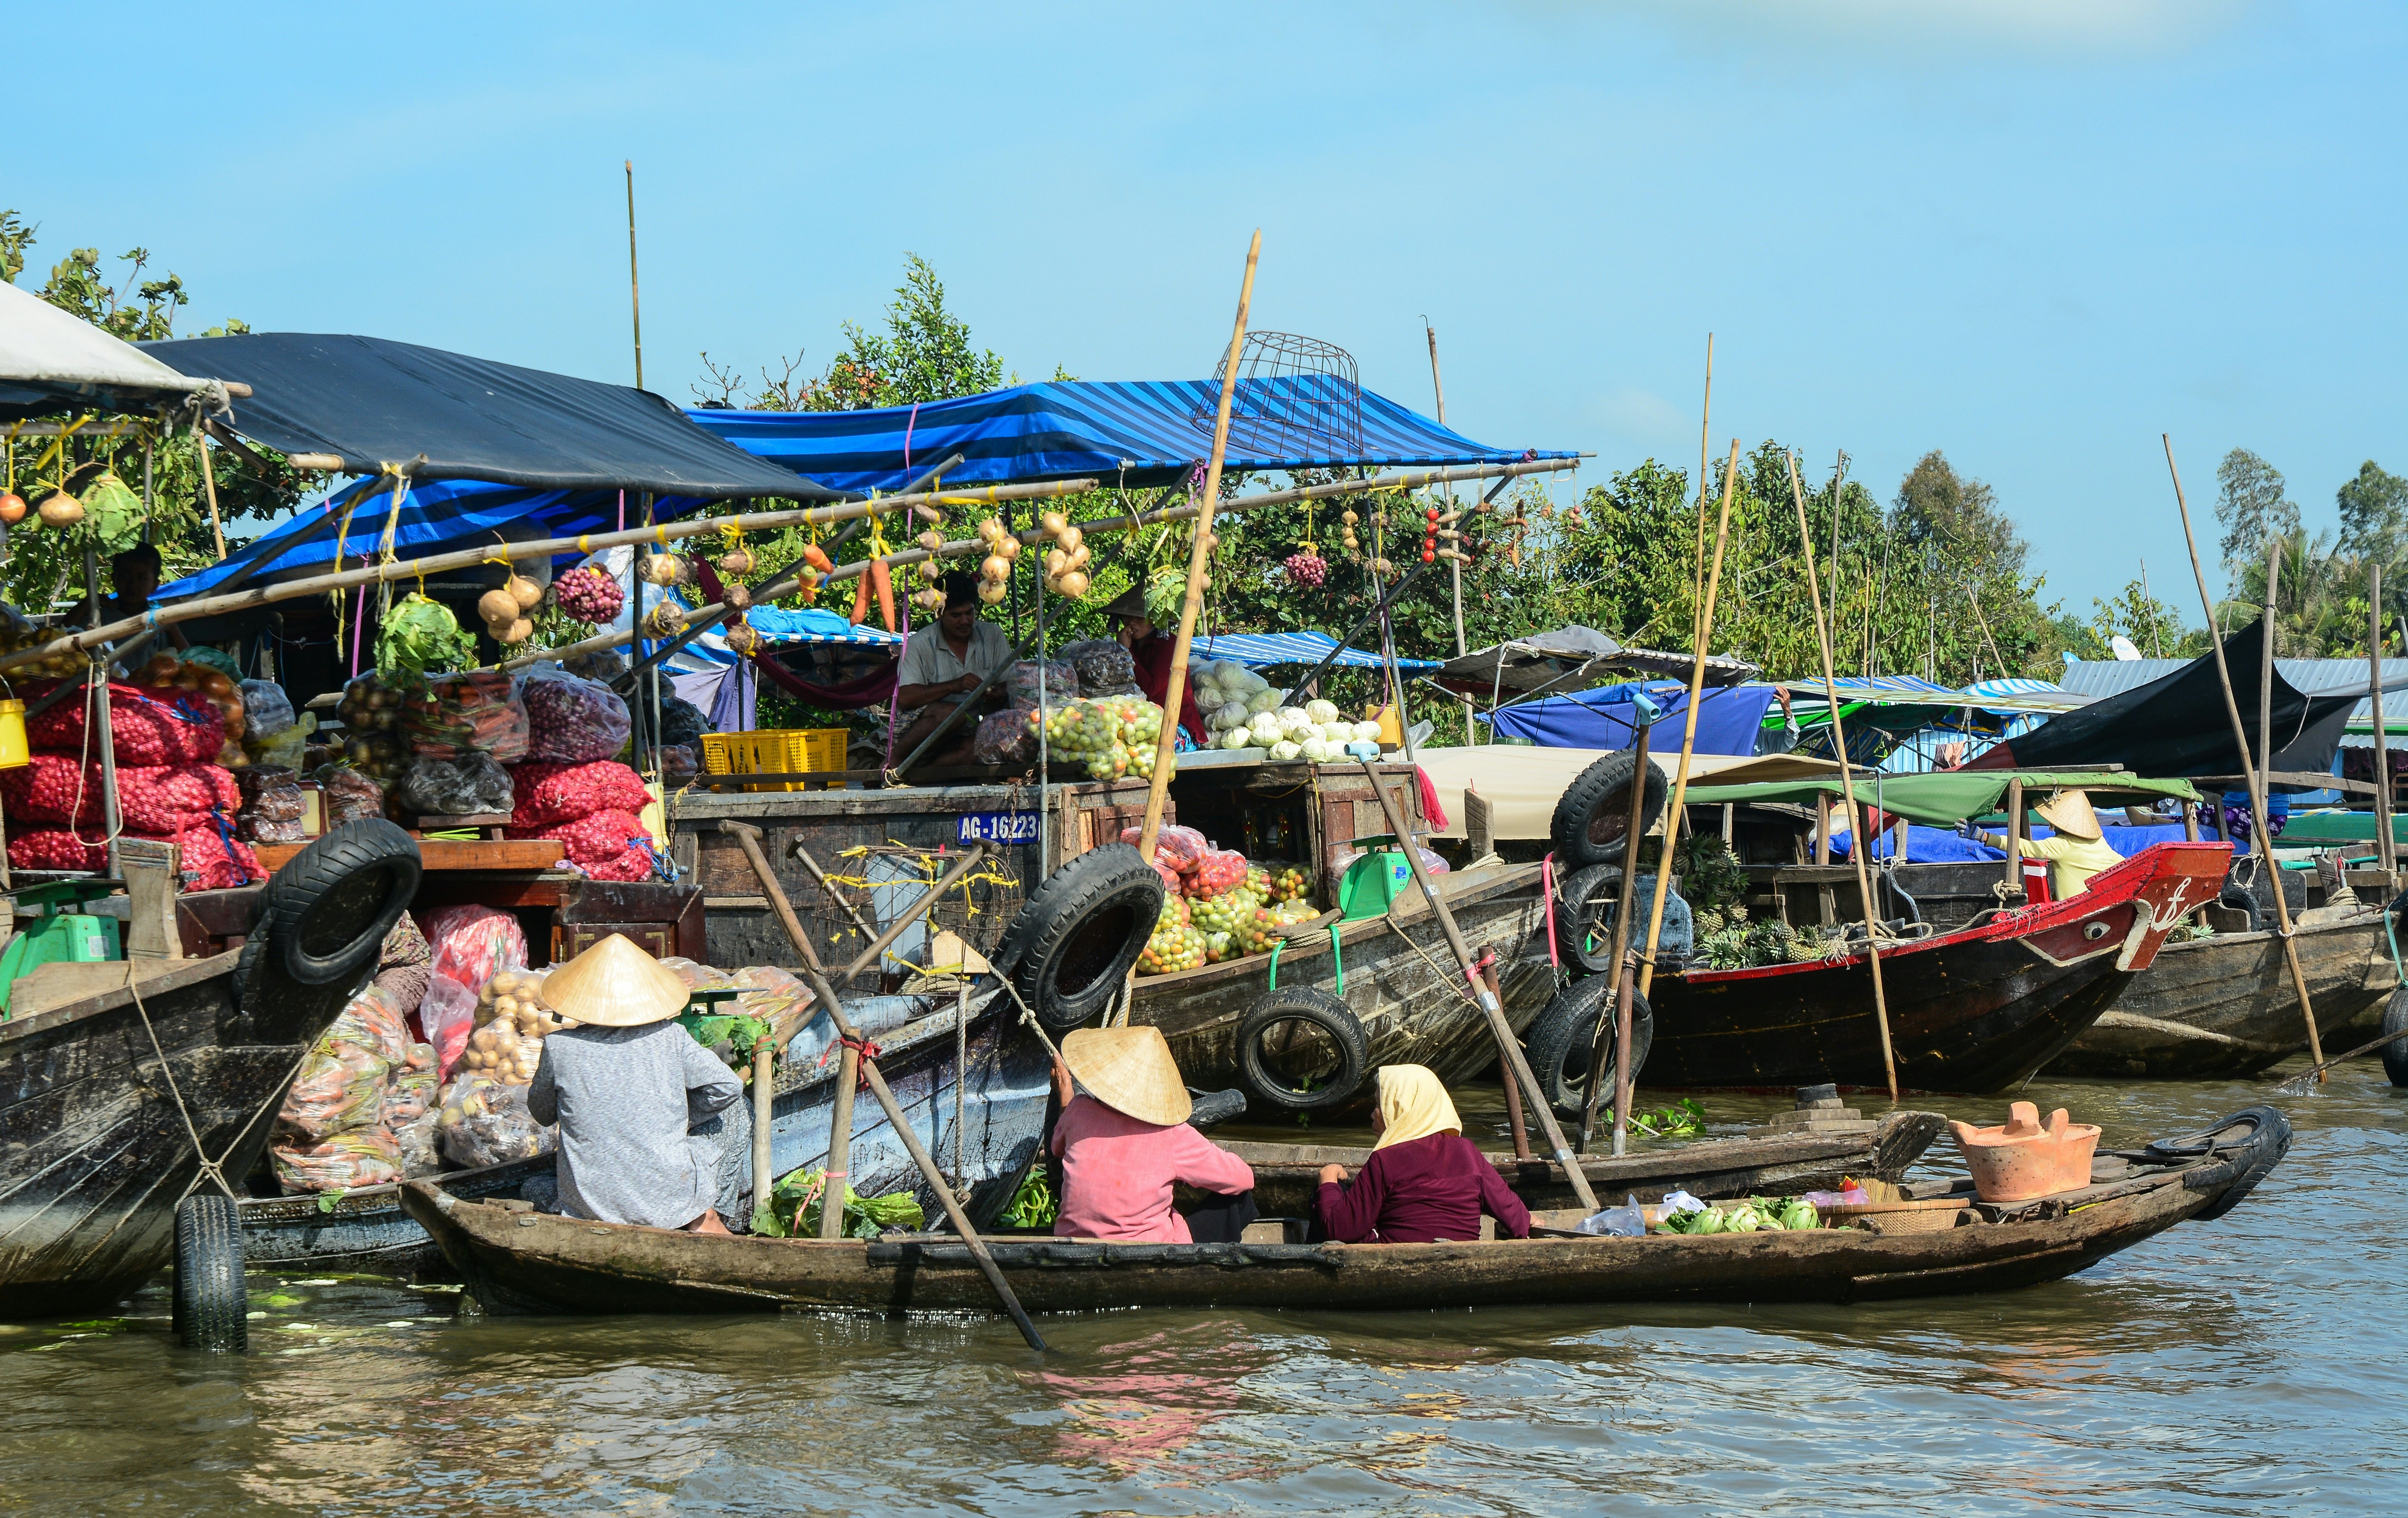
(860, 598)
(883, 581)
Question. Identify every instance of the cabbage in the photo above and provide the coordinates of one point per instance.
(1264, 726)
(1315, 749)
(1283, 751)
(1336, 734)
(1321, 711)
(1293, 722)
(1204, 694)
(1367, 731)
(1265, 699)
(422, 634)
(1243, 683)
(1236, 738)
(1229, 715)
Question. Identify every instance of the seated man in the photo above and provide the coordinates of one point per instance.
(1424, 1183)
(1125, 1142)
(134, 573)
(942, 663)
(647, 1116)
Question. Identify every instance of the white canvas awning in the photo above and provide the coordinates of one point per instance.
(50, 361)
(1523, 784)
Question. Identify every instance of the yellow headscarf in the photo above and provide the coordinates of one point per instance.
(1412, 1105)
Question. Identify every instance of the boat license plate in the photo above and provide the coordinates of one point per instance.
(999, 828)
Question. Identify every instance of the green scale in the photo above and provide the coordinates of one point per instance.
(59, 934)
(1371, 883)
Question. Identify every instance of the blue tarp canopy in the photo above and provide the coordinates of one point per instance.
(1728, 719)
(1308, 648)
(814, 625)
(1132, 432)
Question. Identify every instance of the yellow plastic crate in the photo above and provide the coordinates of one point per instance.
(774, 751)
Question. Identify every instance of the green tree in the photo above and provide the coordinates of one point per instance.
(2374, 513)
(2250, 507)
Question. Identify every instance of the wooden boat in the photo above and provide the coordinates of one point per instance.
(522, 1260)
(364, 1229)
(1979, 1009)
(1399, 980)
(2224, 1007)
(1770, 1163)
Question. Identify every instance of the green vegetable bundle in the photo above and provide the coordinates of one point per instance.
(793, 1211)
(1757, 1214)
(422, 634)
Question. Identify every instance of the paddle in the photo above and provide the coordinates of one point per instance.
(748, 839)
(2304, 1083)
(1508, 1048)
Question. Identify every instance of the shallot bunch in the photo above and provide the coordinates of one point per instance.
(588, 595)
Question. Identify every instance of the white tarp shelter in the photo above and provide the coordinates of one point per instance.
(50, 361)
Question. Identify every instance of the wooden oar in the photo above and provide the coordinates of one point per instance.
(1508, 1048)
(832, 1198)
(2305, 1081)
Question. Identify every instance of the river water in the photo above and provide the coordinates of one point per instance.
(2242, 1367)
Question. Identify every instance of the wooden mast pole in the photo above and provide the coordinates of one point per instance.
(1453, 566)
(1198, 554)
(1858, 844)
(1704, 630)
(2387, 852)
(2254, 776)
(634, 299)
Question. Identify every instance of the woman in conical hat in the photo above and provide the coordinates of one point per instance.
(646, 1114)
(2076, 852)
(1124, 1141)
(1424, 1183)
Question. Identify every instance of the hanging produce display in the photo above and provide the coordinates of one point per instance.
(994, 571)
(1067, 561)
(588, 595)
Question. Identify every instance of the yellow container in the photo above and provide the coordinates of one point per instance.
(774, 751)
(14, 755)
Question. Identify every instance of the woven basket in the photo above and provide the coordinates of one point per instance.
(1931, 1217)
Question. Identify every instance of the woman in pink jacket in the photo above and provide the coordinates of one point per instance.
(1124, 1141)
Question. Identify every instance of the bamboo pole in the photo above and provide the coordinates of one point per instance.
(634, 300)
(1453, 566)
(2014, 830)
(1619, 957)
(2255, 777)
(1860, 844)
(209, 484)
(2386, 851)
(1198, 553)
(2266, 669)
(1705, 626)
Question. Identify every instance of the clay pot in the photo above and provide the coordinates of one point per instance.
(2020, 1160)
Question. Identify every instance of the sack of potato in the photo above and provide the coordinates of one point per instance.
(510, 1021)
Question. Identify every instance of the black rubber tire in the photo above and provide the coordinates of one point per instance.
(1560, 1040)
(329, 908)
(212, 1303)
(1215, 1107)
(1318, 1010)
(2270, 1139)
(2395, 1056)
(1070, 948)
(1584, 908)
(1594, 811)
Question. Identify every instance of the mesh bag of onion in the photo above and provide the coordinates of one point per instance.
(170, 799)
(546, 795)
(165, 727)
(51, 787)
(216, 861)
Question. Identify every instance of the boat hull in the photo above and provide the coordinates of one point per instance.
(1978, 1010)
(2223, 1007)
(95, 1154)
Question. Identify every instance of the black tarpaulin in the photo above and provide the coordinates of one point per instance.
(370, 402)
(2178, 726)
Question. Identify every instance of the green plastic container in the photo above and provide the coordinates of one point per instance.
(1371, 883)
(75, 937)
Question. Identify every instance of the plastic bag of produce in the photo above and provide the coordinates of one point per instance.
(499, 1050)
(345, 1162)
(1181, 848)
(681, 720)
(516, 997)
(484, 1121)
(548, 794)
(1287, 880)
(472, 943)
(1061, 679)
(266, 710)
(462, 787)
(446, 1015)
(168, 799)
(271, 805)
(1104, 667)
(415, 1089)
(341, 1082)
(572, 721)
(1217, 873)
(1221, 913)
(51, 787)
(477, 712)
(1004, 738)
(351, 795)
(414, 1143)
(1227, 716)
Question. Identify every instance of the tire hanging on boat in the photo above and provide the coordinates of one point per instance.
(210, 1303)
(1594, 812)
(1335, 1035)
(1584, 909)
(1070, 948)
(2395, 1019)
(1563, 1035)
(333, 902)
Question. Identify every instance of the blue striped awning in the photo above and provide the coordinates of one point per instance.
(1269, 648)
(814, 625)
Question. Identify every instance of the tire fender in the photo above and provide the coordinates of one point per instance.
(1594, 811)
(1561, 1037)
(1318, 1009)
(2251, 1160)
(1074, 940)
(2395, 1056)
(328, 910)
(212, 1303)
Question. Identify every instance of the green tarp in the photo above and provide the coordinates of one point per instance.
(1946, 798)
(2335, 828)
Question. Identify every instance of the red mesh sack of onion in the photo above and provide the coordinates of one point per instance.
(216, 864)
(149, 728)
(168, 800)
(52, 787)
(546, 795)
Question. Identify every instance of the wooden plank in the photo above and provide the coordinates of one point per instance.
(1479, 825)
(60, 982)
(149, 869)
(454, 854)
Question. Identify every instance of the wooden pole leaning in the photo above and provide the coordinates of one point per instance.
(1673, 811)
(1199, 553)
(1508, 1049)
(832, 1199)
(1858, 844)
(210, 485)
(2387, 852)
(2254, 775)
(1614, 1033)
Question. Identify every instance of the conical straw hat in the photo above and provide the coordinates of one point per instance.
(2069, 812)
(1130, 1070)
(615, 985)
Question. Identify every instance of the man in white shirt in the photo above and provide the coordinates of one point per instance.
(941, 665)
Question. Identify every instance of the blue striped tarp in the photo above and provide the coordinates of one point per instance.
(1269, 648)
(1135, 432)
(814, 625)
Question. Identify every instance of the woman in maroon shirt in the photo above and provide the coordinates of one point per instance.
(1424, 1183)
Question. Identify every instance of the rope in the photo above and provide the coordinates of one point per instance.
(210, 1170)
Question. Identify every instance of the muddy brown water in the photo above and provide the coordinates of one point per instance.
(2248, 1366)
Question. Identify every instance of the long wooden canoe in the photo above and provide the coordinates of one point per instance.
(1979, 1009)
(523, 1260)
(2224, 1007)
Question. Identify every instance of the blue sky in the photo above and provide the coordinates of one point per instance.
(2033, 235)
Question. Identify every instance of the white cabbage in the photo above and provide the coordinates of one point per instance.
(1265, 699)
(1367, 731)
(1283, 751)
(1264, 726)
(1244, 682)
(1236, 738)
(1338, 733)
(1315, 749)
(1321, 711)
(1293, 722)
(1228, 715)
